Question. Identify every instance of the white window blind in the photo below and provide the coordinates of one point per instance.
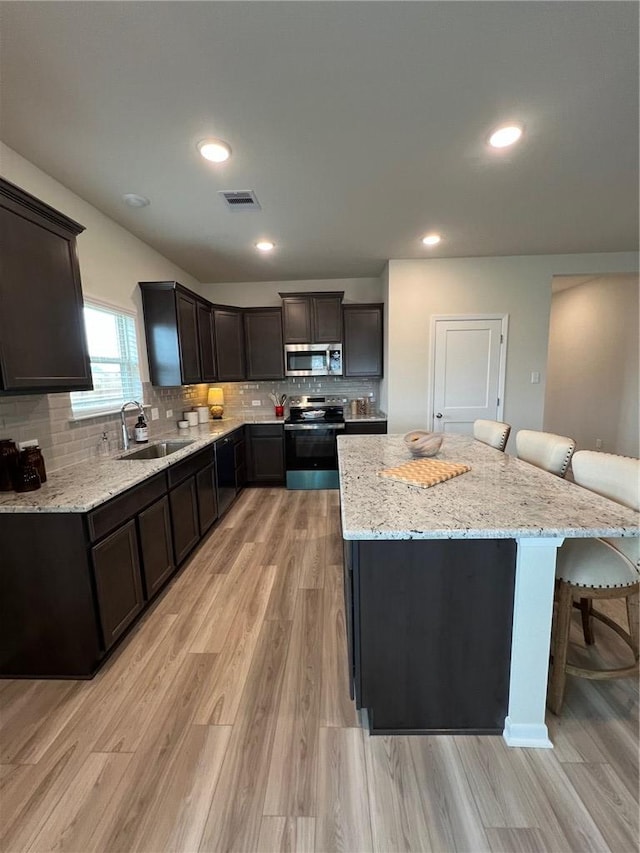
(113, 353)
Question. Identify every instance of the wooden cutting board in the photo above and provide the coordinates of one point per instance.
(424, 472)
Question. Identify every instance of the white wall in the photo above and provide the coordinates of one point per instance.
(265, 293)
(592, 380)
(112, 260)
(384, 384)
(519, 286)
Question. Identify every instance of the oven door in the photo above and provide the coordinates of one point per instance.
(311, 455)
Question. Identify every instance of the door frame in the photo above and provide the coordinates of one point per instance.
(502, 370)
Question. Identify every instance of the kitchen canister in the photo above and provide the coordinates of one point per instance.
(27, 478)
(203, 414)
(8, 464)
(191, 417)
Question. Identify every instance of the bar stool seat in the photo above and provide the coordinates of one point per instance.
(592, 569)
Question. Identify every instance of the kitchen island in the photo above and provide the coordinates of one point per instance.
(449, 590)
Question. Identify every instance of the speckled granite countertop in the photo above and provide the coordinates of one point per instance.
(374, 418)
(82, 487)
(500, 498)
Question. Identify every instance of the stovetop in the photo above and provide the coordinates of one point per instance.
(329, 409)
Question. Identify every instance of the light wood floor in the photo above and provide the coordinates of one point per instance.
(223, 722)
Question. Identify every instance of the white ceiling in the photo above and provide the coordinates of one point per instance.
(359, 125)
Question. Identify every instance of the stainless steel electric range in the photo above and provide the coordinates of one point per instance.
(310, 432)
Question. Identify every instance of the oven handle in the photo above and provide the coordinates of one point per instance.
(313, 426)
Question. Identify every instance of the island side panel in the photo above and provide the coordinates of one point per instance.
(432, 623)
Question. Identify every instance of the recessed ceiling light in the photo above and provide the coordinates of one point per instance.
(135, 200)
(505, 136)
(215, 150)
(431, 239)
(265, 245)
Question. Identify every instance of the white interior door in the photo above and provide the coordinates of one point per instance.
(468, 374)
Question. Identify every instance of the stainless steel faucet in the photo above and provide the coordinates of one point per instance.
(125, 433)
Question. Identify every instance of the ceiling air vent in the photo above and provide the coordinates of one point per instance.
(242, 200)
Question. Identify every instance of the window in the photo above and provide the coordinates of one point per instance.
(113, 353)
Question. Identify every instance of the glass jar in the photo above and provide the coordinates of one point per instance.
(27, 477)
(8, 464)
(33, 455)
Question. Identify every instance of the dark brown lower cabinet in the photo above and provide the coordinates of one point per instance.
(207, 498)
(266, 453)
(156, 546)
(184, 519)
(429, 633)
(48, 618)
(116, 569)
(71, 584)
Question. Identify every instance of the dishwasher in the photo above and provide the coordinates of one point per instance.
(225, 473)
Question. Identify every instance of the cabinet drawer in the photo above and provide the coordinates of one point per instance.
(177, 473)
(371, 428)
(110, 515)
(266, 431)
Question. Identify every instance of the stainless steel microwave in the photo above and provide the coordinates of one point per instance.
(313, 359)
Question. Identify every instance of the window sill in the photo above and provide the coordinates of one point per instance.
(105, 413)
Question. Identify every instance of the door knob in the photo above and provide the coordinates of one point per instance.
(439, 415)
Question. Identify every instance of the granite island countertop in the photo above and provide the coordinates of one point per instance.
(502, 497)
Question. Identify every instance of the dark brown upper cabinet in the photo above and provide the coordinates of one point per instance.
(188, 340)
(362, 345)
(229, 338)
(180, 334)
(312, 318)
(263, 343)
(43, 345)
(206, 340)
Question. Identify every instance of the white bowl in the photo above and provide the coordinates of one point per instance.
(423, 443)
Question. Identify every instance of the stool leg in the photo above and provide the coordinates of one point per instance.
(555, 695)
(632, 616)
(585, 612)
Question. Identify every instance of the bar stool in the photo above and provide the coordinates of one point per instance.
(589, 569)
(493, 433)
(545, 450)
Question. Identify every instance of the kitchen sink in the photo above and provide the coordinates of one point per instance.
(156, 451)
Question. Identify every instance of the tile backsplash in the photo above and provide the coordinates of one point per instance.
(239, 396)
(65, 441)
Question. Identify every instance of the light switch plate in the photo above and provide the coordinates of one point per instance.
(535, 377)
(154, 414)
(169, 413)
(256, 402)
